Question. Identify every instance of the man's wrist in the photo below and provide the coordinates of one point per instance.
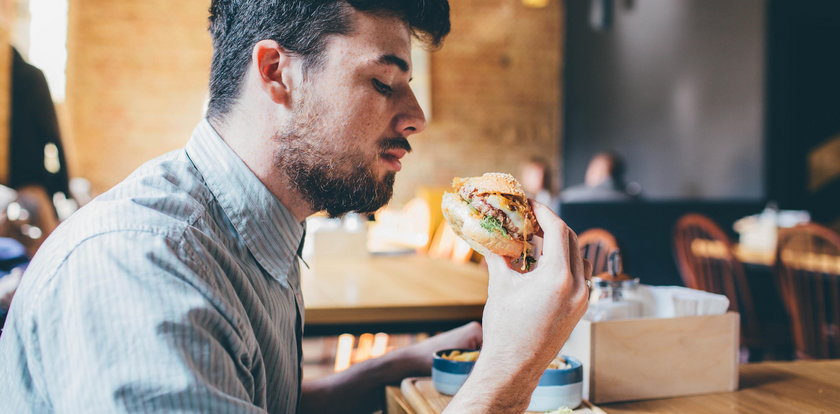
(497, 385)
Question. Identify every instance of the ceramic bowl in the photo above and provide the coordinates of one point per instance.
(557, 387)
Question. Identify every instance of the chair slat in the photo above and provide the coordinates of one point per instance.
(808, 269)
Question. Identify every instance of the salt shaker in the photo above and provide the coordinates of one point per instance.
(613, 294)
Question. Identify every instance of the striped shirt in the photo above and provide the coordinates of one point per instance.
(176, 291)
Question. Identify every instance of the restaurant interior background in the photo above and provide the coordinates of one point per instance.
(717, 106)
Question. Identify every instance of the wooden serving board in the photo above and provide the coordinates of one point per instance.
(421, 395)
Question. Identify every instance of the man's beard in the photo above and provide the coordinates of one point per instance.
(332, 180)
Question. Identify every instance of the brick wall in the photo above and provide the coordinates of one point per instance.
(137, 76)
(496, 94)
(136, 82)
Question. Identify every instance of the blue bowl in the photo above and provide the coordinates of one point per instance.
(557, 387)
(448, 375)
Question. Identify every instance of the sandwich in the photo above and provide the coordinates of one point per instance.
(493, 215)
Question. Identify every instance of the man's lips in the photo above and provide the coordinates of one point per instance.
(397, 153)
(392, 157)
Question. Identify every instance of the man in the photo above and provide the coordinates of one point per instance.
(178, 290)
(604, 181)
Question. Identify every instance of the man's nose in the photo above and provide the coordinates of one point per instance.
(411, 119)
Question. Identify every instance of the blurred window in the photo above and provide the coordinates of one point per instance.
(41, 37)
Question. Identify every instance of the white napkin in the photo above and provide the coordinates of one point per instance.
(675, 301)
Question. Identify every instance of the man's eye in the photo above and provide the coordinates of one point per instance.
(382, 88)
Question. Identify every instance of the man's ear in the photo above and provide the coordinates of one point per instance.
(275, 67)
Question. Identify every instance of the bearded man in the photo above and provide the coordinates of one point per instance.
(179, 289)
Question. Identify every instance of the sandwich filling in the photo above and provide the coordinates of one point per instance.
(497, 201)
(506, 214)
(502, 213)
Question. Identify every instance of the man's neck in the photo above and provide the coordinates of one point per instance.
(255, 147)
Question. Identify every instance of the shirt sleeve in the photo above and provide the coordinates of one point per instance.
(128, 324)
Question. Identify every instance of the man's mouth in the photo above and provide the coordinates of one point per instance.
(392, 157)
(393, 149)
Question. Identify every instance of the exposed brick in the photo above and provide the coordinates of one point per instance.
(137, 78)
(496, 94)
(136, 82)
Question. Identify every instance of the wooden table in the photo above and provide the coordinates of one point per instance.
(756, 257)
(799, 387)
(815, 262)
(768, 387)
(369, 289)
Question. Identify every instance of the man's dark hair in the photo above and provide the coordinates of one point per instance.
(301, 27)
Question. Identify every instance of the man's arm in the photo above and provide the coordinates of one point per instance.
(359, 388)
(527, 319)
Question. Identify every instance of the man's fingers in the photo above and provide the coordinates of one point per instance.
(587, 269)
(576, 260)
(496, 266)
(555, 236)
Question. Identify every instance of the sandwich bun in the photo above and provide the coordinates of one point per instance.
(468, 227)
(492, 214)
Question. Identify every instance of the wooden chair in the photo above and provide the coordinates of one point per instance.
(596, 246)
(808, 269)
(706, 262)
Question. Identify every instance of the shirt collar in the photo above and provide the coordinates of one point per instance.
(269, 229)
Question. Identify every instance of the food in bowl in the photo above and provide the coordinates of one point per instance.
(561, 385)
(457, 355)
(559, 363)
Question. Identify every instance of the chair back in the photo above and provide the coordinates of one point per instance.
(808, 268)
(596, 246)
(706, 262)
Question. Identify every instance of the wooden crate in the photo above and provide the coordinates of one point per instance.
(638, 359)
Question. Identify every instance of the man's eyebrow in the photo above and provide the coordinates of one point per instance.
(393, 60)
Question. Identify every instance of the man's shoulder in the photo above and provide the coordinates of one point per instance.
(582, 193)
(163, 195)
(161, 199)
(142, 226)
(574, 192)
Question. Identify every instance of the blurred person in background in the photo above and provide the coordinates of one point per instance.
(36, 155)
(535, 178)
(604, 181)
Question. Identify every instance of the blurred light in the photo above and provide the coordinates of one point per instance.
(13, 211)
(344, 351)
(380, 345)
(51, 161)
(363, 349)
(48, 42)
(537, 4)
(33, 232)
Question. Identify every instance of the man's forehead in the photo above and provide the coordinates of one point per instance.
(375, 40)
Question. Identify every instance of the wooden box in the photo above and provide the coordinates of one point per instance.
(638, 359)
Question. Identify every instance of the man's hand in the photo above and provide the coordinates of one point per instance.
(358, 389)
(527, 319)
(419, 355)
